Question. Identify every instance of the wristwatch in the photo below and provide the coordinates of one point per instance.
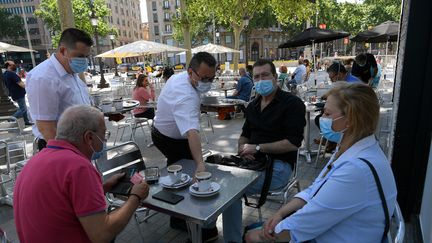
(258, 147)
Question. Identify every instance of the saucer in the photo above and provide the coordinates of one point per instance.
(166, 182)
(214, 189)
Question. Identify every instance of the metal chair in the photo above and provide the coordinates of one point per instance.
(321, 151)
(133, 123)
(9, 127)
(272, 195)
(116, 158)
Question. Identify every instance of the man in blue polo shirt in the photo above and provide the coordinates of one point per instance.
(244, 87)
(17, 90)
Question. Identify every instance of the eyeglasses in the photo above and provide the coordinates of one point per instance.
(204, 80)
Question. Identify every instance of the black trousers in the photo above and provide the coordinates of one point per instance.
(149, 114)
(173, 149)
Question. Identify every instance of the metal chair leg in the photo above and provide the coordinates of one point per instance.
(260, 215)
(138, 226)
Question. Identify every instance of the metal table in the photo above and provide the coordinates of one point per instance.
(200, 211)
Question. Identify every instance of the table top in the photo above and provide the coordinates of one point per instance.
(128, 105)
(233, 181)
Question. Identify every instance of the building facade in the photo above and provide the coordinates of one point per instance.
(39, 34)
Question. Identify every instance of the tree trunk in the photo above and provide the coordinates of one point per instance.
(66, 14)
(236, 29)
(186, 31)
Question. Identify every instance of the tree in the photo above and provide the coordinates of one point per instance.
(48, 12)
(12, 26)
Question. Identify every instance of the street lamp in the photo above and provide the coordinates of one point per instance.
(217, 41)
(112, 37)
(94, 22)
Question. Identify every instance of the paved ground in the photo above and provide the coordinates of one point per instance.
(223, 139)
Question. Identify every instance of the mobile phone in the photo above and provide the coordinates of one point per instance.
(168, 197)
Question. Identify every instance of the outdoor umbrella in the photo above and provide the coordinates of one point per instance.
(385, 32)
(213, 49)
(313, 35)
(140, 48)
(5, 47)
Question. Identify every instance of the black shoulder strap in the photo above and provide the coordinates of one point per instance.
(266, 185)
(381, 193)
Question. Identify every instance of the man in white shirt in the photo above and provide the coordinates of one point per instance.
(54, 85)
(177, 122)
(300, 72)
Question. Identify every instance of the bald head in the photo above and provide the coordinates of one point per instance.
(76, 120)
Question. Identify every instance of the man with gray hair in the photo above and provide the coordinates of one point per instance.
(59, 195)
(244, 86)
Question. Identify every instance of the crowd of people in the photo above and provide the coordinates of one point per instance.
(59, 195)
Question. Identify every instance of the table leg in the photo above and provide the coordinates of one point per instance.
(194, 232)
(226, 93)
(307, 152)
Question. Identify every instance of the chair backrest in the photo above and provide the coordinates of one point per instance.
(11, 153)
(117, 158)
(9, 127)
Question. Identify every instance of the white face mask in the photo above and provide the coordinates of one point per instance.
(203, 87)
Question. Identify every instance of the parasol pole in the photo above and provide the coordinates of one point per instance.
(386, 52)
(314, 61)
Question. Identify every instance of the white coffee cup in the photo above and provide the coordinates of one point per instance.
(203, 179)
(118, 104)
(175, 173)
(106, 106)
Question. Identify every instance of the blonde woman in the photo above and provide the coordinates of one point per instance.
(343, 204)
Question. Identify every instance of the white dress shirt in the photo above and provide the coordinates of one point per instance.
(178, 107)
(50, 90)
(348, 207)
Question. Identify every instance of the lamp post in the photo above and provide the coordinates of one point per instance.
(94, 22)
(112, 37)
(217, 41)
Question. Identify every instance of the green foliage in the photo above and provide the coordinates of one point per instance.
(12, 26)
(293, 11)
(49, 13)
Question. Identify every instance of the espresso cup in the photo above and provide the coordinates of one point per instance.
(175, 173)
(118, 104)
(106, 107)
(203, 179)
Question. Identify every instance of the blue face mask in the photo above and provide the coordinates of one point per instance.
(203, 87)
(264, 87)
(327, 131)
(97, 155)
(78, 64)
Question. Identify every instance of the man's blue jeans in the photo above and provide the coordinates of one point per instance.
(22, 110)
(232, 216)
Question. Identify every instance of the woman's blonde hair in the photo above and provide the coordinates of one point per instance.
(359, 104)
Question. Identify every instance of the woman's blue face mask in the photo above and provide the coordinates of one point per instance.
(327, 130)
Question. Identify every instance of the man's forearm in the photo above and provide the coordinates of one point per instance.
(279, 147)
(47, 128)
(194, 141)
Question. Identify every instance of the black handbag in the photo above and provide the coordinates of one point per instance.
(262, 162)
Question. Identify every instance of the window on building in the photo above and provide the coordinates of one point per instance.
(116, 9)
(130, 35)
(34, 31)
(167, 16)
(228, 39)
(118, 21)
(166, 4)
(177, 4)
(36, 42)
(155, 17)
(156, 30)
(154, 6)
(123, 22)
(127, 12)
(31, 20)
(229, 56)
(168, 28)
(122, 11)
